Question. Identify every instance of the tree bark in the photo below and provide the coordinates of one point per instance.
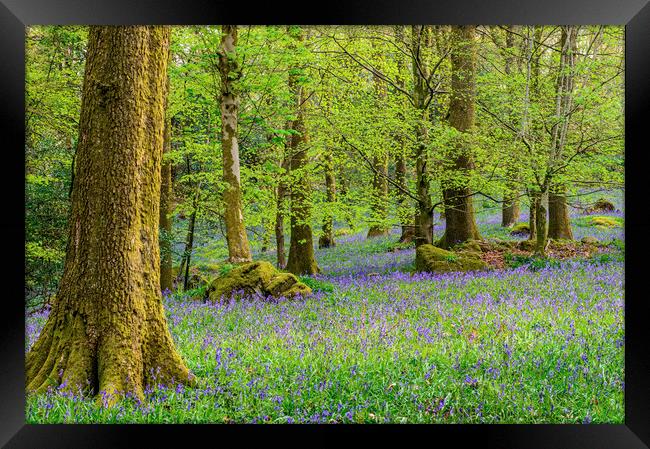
(559, 224)
(421, 39)
(238, 246)
(510, 207)
(166, 208)
(107, 330)
(460, 224)
(532, 216)
(559, 131)
(280, 212)
(301, 246)
(541, 224)
(327, 239)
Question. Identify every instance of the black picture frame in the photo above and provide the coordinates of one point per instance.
(634, 14)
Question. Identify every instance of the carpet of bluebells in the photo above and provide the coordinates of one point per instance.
(383, 345)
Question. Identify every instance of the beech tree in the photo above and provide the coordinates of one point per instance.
(238, 248)
(301, 246)
(460, 222)
(107, 329)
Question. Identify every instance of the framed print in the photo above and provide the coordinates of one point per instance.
(377, 220)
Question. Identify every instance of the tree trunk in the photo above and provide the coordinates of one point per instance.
(238, 247)
(532, 216)
(327, 239)
(510, 211)
(460, 224)
(541, 224)
(107, 329)
(404, 209)
(559, 224)
(379, 200)
(301, 246)
(421, 39)
(166, 208)
(189, 245)
(280, 212)
(510, 206)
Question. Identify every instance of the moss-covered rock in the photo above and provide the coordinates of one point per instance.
(436, 260)
(606, 222)
(259, 278)
(601, 205)
(589, 240)
(520, 229)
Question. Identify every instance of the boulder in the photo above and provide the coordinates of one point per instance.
(589, 240)
(259, 278)
(601, 205)
(520, 229)
(432, 259)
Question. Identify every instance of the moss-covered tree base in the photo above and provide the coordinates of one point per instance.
(105, 352)
(431, 259)
(256, 278)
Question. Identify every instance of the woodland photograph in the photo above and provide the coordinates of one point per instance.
(325, 224)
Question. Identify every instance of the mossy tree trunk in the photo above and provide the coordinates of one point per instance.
(327, 239)
(421, 40)
(301, 245)
(460, 223)
(238, 246)
(166, 208)
(379, 199)
(107, 329)
(559, 224)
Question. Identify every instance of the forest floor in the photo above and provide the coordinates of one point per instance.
(528, 342)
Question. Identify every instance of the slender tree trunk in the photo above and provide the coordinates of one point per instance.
(421, 40)
(379, 201)
(107, 330)
(327, 239)
(301, 246)
(541, 223)
(559, 224)
(280, 211)
(238, 247)
(404, 211)
(559, 130)
(460, 223)
(510, 207)
(532, 216)
(189, 245)
(166, 207)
